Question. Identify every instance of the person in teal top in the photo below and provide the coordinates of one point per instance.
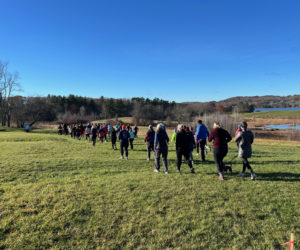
(131, 138)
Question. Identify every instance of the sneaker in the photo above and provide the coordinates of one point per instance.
(156, 170)
(177, 171)
(193, 171)
(242, 174)
(221, 178)
(253, 176)
(148, 159)
(122, 157)
(126, 158)
(166, 172)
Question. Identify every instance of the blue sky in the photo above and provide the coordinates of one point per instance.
(195, 50)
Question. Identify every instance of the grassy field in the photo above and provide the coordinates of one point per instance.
(295, 114)
(60, 193)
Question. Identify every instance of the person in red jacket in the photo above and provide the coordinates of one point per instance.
(220, 138)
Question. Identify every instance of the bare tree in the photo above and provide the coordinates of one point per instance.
(8, 85)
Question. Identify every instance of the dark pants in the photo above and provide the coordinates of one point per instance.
(131, 143)
(186, 155)
(87, 136)
(202, 147)
(246, 165)
(219, 154)
(124, 145)
(150, 149)
(94, 138)
(164, 154)
(113, 143)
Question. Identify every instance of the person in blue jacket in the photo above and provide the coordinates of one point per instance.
(161, 141)
(201, 138)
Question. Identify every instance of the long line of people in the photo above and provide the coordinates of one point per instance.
(185, 140)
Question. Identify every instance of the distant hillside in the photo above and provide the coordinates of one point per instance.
(267, 101)
(248, 103)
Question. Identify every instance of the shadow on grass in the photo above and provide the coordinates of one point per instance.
(274, 162)
(279, 176)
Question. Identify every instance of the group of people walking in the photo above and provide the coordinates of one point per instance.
(185, 139)
(185, 142)
(103, 132)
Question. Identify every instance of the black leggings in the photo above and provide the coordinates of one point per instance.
(202, 144)
(150, 149)
(186, 155)
(113, 143)
(131, 143)
(246, 165)
(219, 154)
(124, 145)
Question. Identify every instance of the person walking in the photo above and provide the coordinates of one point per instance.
(201, 138)
(109, 128)
(220, 138)
(244, 139)
(60, 130)
(173, 139)
(136, 129)
(66, 131)
(131, 138)
(182, 148)
(94, 135)
(161, 141)
(150, 141)
(88, 131)
(191, 142)
(113, 138)
(73, 131)
(123, 138)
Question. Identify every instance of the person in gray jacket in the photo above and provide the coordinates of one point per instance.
(244, 140)
(161, 141)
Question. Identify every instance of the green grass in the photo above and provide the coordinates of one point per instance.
(60, 193)
(274, 114)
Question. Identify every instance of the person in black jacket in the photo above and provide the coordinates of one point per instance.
(123, 138)
(183, 149)
(150, 141)
(113, 138)
(161, 141)
(94, 135)
(191, 142)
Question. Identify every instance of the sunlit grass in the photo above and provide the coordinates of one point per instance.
(56, 192)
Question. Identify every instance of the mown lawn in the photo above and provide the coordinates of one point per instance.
(60, 193)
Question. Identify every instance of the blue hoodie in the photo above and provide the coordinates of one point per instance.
(202, 132)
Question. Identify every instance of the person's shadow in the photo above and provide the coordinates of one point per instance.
(278, 176)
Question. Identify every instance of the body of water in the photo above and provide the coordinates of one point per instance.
(275, 109)
(283, 126)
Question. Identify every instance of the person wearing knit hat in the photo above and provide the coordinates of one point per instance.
(123, 138)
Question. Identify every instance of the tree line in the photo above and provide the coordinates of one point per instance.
(19, 110)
